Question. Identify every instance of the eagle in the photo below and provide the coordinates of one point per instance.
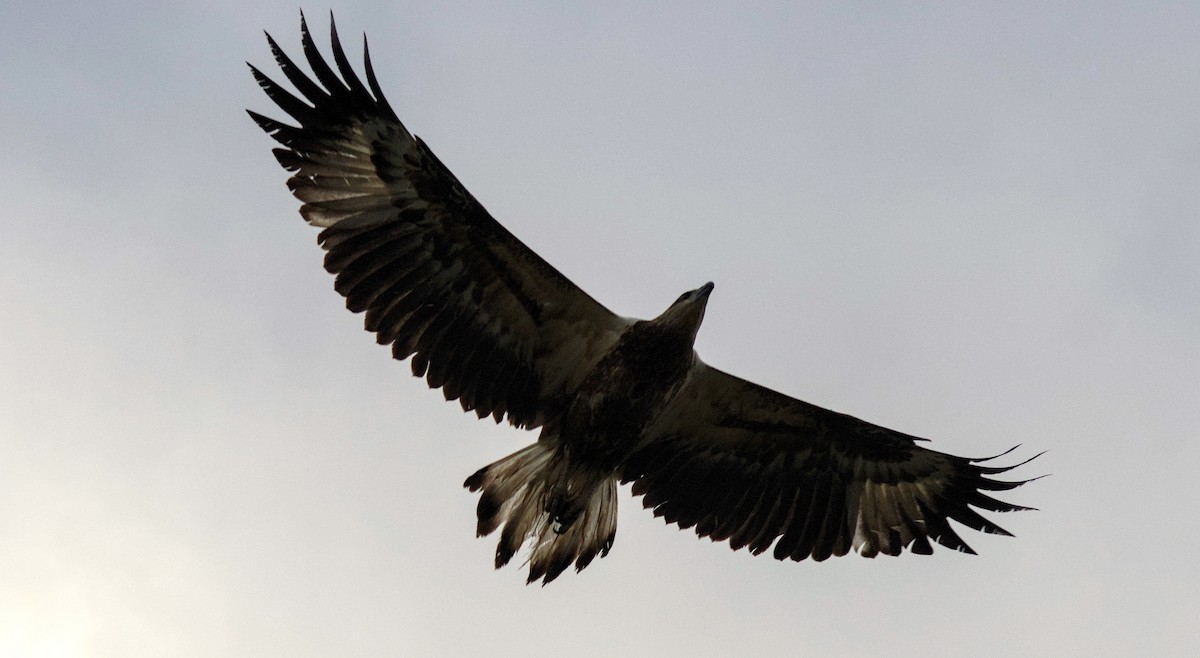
(616, 400)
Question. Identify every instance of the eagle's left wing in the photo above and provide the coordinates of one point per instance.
(483, 317)
(743, 463)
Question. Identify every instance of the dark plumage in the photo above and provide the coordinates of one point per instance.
(485, 319)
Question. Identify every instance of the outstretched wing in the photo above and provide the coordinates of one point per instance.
(742, 463)
(483, 316)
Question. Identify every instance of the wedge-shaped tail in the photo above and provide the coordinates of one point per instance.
(519, 492)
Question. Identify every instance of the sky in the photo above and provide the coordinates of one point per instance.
(973, 222)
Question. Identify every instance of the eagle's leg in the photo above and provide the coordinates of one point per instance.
(564, 508)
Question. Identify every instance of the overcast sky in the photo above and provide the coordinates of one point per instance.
(974, 224)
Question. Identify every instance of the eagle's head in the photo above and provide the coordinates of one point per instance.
(686, 314)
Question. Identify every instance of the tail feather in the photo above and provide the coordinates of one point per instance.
(505, 484)
(519, 491)
(589, 535)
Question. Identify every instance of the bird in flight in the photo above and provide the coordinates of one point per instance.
(616, 400)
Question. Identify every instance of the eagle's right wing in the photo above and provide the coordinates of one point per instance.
(483, 316)
(742, 463)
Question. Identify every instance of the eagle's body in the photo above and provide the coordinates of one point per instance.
(624, 393)
(617, 400)
(605, 420)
